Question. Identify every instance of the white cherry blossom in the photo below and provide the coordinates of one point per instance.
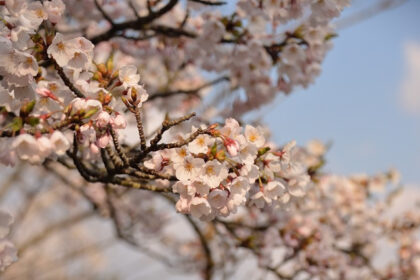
(212, 173)
(59, 142)
(189, 169)
(128, 76)
(199, 207)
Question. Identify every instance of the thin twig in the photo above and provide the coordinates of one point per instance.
(137, 114)
(118, 147)
(188, 92)
(67, 82)
(104, 14)
(208, 3)
(136, 24)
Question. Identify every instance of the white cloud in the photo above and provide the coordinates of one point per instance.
(410, 87)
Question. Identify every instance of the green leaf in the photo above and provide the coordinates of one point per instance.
(262, 151)
(27, 108)
(32, 121)
(214, 149)
(16, 124)
(90, 113)
(330, 36)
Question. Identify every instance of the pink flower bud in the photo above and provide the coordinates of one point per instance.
(103, 119)
(44, 92)
(231, 145)
(94, 149)
(103, 141)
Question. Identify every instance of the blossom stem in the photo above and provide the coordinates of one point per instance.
(139, 121)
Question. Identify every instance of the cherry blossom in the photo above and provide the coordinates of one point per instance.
(108, 96)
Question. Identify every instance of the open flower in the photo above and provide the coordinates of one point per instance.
(218, 198)
(61, 50)
(128, 76)
(59, 142)
(189, 169)
(54, 9)
(274, 189)
(31, 149)
(213, 172)
(200, 144)
(137, 94)
(254, 136)
(259, 200)
(199, 207)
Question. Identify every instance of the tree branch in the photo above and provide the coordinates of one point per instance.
(104, 14)
(137, 24)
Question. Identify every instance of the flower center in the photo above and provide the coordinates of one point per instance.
(188, 166)
(253, 137)
(61, 46)
(210, 170)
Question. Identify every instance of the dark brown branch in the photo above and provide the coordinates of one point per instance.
(104, 14)
(137, 114)
(140, 175)
(88, 175)
(208, 3)
(167, 124)
(155, 173)
(137, 24)
(135, 160)
(67, 82)
(129, 182)
(109, 166)
(116, 160)
(181, 143)
(118, 147)
(133, 9)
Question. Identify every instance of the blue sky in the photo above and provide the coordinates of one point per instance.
(356, 102)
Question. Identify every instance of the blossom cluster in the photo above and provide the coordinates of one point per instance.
(231, 167)
(70, 88)
(297, 54)
(20, 22)
(256, 40)
(333, 231)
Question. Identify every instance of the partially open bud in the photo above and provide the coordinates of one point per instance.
(103, 119)
(213, 131)
(232, 146)
(103, 141)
